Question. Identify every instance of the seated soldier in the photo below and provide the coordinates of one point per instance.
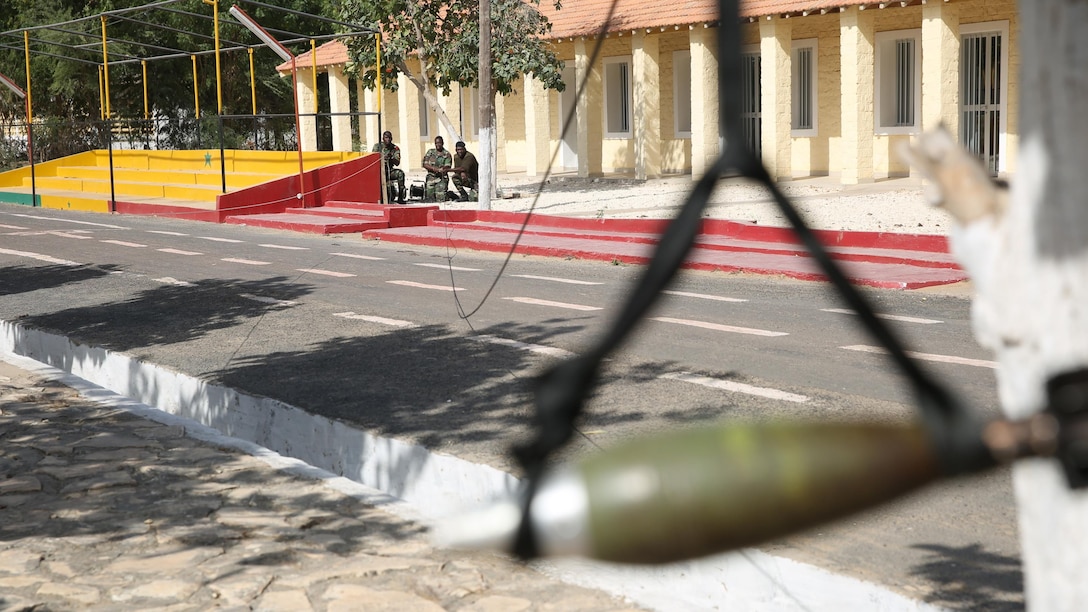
(437, 162)
(466, 173)
(391, 154)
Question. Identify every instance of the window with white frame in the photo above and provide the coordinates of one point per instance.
(617, 97)
(803, 91)
(681, 90)
(470, 112)
(898, 81)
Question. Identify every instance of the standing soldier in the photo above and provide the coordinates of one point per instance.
(437, 162)
(391, 154)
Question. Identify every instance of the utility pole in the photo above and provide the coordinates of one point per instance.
(487, 111)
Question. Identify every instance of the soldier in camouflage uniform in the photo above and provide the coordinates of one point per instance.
(391, 154)
(437, 162)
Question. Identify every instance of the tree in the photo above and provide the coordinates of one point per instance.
(443, 35)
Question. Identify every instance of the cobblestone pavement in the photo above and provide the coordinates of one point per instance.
(101, 509)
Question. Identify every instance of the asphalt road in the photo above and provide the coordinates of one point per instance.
(377, 335)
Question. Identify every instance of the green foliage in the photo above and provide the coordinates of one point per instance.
(65, 80)
(444, 36)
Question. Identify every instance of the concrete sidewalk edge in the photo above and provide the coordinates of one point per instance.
(414, 483)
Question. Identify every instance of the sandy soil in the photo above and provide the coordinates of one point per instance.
(888, 206)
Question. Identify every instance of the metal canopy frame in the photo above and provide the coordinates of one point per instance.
(23, 40)
(100, 50)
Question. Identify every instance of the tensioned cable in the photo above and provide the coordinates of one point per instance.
(547, 173)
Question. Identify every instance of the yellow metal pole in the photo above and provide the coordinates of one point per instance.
(101, 96)
(105, 68)
(29, 104)
(378, 45)
(313, 62)
(147, 115)
(218, 73)
(196, 95)
(252, 82)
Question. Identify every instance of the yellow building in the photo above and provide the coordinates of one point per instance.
(830, 87)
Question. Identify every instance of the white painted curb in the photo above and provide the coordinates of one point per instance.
(420, 484)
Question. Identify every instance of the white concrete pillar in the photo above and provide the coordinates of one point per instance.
(705, 128)
(307, 105)
(408, 115)
(775, 49)
(340, 102)
(857, 62)
(538, 127)
(646, 58)
(941, 66)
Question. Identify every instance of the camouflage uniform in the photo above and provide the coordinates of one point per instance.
(471, 167)
(437, 182)
(391, 155)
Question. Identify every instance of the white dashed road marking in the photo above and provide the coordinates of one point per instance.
(69, 235)
(373, 319)
(980, 363)
(63, 220)
(39, 257)
(14, 227)
(568, 281)
(703, 296)
(325, 272)
(133, 245)
(214, 239)
(736, 387)
(536, 302)
(446, 267)
(268, 300)
(532, 348)
(285, 248)
(885, 316)
(169, 280)
(166, 233)
(722, 328)
(405, 283)
(354, 256)
(179, 252)
(248, 262)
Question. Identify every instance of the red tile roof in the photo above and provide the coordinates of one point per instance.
(331, 53)
(584, 17)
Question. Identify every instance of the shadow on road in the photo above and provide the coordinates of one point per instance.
(24, 279)
(170, 314)
(968, 577)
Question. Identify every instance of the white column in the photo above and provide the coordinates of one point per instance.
(856, 65)
(411, 148)
(368, 103)
(307, 105)
(941, 66)
(537, 127)
(647, 105)
(340, 102)
(705, 128)
(775, 49)
(588, 115)
(500, 133)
